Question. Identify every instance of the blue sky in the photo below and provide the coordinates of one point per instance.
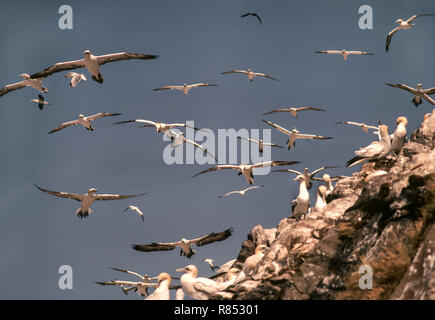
(196, 41)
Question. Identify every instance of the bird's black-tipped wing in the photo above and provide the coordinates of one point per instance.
(124, 56)
(212, 237)
(154, 247)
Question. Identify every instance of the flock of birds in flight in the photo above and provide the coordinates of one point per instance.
(201, 287)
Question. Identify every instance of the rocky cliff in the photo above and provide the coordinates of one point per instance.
(380, 219)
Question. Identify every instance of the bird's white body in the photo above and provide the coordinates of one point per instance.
(198, 288)
(321, 199)
(91, 64)
(162, 290)
(398, 138)
(302, 202)
(75, 78)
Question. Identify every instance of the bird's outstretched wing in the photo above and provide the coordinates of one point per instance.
(12, 87)
(235, 71)
(112, 57)
(389, 37)
(273, 164)
(277, 127)
(221, 167)
(116, 196)
(154, 246)
(64, 125)
(59, 67)
(212, 237)
(402, 86)
(75, 196)
(101, 115)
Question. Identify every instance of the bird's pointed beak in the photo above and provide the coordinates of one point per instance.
(180, 270)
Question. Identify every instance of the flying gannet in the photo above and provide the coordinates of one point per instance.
(301, 203)
(40, 101)
(252, 14)
(141, 290)
(91, 63)
(418, 93)
(210, 262)
(321, 199)
(134, 208)
(293, 111)
(307, 174)
(250, 74)
(88, 198)
(75, 78)
(375, 150)
(260, 143)
(179, 138)
(398, 138)
(294, 134)
(223, 269)
(185, 88)
(363, 126)
(241, 192)
(35, 83)
(84, 121)
(403, 25)
(345, 53)
(140, 287)
(184, 244)
(160, 126)
(246, 169)
(198, 288)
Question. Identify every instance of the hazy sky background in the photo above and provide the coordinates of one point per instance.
(196, 41)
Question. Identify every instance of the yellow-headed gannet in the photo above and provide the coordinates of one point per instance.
(184, 244)
(75, 78)
(294, 134)
(363, 126)
(321, 199)
(27, 82)
(162, 290)
(301, 203)
(418, 93)
(160, 126)
(375, 150)
(210, 262)
(345, 53)
(252, 14)
(179, 138)
(134, 208)
(250, 74)
(84, 121)
(398, 138)
(327, 179)
(251, 263)
(185, 88)
(246, 169)
(403, 25)
(241, 192)
(260, 143)
(40, 101)
(307, 174)
(91, 63)
(293, 111)
(88, 198)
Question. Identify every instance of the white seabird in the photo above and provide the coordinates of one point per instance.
(185, 88)
(321, 199)
(134, 208)
(250, 74)
(184, 244)
(241, 192)
(294, 134)
(84, 121)
(327, 179)
(375, 150)
(179, 138)
(162, 290)
(251, 263)
(140, 287)
(346, 53)
(307, 174)
(91, 63)
(88, 198)
(403, 25)
(301, 204)
(246, 169)
(210, 262)
(293, 111)
(252, 14)
(160, 126)
(75, 78)
(179, 294)
(35, 83)
(260, 143)
(398, 138)
(40, 101)
(418, 93)
(363, 126)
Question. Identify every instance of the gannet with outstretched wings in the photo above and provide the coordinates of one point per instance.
(250, 74)
(346, 53)
(252, 14)
(307, 174)
(75, 78)
(160, 126)
(418, 93)
(260, 143)
(88, 198)
(134, 208)
(40, 101)
(293, 111)
(363, 126)
(91, 63)
(179, 138)
(184, 244)
(84, 121)
(241, 192)
(185, 88)
(35, 83)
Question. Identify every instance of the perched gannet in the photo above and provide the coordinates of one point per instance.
(241, 192)
(418, 93)
(293, 111)
(198, 288)
(321, 199)
(403, 25)
(184, 244)
(162, 290)
(210, 262)
(252, 14)
(294, 134)
(246, 169)
(27, 82)
(375, 150)
(84, 121)
(363, 126)
(91, 63)
(40, 101)
(260, 143)
(307, 174)
(301, 204)
(345, 53)
(251, 263)
(185, 88)
(88, 198)
(160, 126)
(327, 179)
(179, 138)
(398, 138)
(75, 78)
(250, 74)
(134, 208)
